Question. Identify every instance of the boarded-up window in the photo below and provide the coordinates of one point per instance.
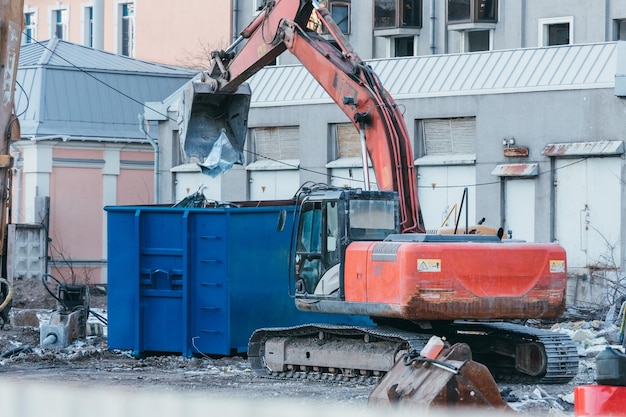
(450, 136)
(276, 143)
(348, 141)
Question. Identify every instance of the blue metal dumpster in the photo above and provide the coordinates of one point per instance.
(199, 281)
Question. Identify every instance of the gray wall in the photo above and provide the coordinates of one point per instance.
(534, 119)
(517, 27)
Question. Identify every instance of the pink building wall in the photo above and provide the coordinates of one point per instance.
(81, 179)
(169, 32)
(176, 35)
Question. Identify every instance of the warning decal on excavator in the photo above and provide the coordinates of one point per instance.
(557, 266)
(429, 265)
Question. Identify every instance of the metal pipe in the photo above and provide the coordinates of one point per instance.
(366, 168)
(433, 48)
(18, 205)
(50, 339)
(64, 138)
(157, 159)
(235, 19)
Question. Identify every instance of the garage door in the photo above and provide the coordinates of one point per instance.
(588, 219)
(273, 184)
(519, 209)
(274, 173)
(440, 188)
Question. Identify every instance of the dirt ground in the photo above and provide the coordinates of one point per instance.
(89, 363)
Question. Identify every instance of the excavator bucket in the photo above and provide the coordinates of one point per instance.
(451, 380)
(213, 126)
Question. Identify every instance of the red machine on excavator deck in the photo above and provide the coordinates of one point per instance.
(363, 252)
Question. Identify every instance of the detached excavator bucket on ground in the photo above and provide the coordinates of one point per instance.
(451, 380)
(213, 126)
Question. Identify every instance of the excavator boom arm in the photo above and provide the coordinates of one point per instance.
(354, 87)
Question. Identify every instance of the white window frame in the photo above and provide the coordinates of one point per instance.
(464, 39)
(34, 12)
(52, 13)
(544, 25)
(118, 27)
(87, 26)
(343, 4)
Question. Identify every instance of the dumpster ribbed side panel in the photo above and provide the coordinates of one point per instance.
(208, 265)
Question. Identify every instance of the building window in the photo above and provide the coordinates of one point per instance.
(276, 143)
(558, 34)
(472, 11)
(449, 136)
(477, 41)
(59, 23)
(347, 140)
(620, 30)
(127, 29)
(404, 46)
(30, 28)
(340, 12)
(88, 26)
(397, 14)
(556, 31)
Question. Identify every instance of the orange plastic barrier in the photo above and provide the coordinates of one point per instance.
(599, 400)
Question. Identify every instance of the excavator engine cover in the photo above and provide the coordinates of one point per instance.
(451, 380)
(213, 126)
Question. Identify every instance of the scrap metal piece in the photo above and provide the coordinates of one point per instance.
(62, 329)
(453, 379)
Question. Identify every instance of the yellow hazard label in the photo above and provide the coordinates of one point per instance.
(557, 267)
(429, 265)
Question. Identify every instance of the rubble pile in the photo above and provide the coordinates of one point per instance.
(19, 348)
(592, 337)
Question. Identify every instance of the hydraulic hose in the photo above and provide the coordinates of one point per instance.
(9, 296)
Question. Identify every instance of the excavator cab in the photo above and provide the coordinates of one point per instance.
(329, 220)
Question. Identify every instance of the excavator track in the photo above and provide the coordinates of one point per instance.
(330, 352)
(516, 353)
(513, 353)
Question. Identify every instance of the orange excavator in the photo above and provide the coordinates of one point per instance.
(364, 252)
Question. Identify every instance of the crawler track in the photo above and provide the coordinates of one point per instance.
(494, 345)
(336, 352)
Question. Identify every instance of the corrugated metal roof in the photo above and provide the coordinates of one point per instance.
(507, 71)
(59, 53)
(73, 91)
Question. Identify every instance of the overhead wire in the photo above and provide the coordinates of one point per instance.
(325, 174)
